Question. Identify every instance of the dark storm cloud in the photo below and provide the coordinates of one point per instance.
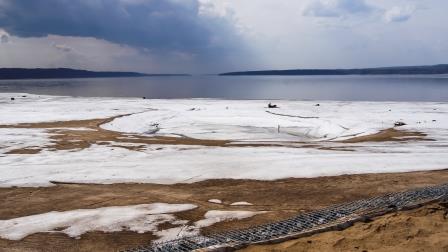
(161, 26)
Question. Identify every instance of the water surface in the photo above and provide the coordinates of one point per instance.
(350, 88)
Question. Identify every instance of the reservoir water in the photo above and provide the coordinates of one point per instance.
(350, 88)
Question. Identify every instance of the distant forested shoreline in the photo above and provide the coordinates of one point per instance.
(66, 73)
(434, 69)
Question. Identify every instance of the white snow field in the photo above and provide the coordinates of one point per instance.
(294, 124)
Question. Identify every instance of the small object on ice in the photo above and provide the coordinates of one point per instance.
(398, 124)
(143, 97)
(278, 128)
(215, 201)
(23, 96)
(154, 130)
(317, 105)
(241, 203)
(12, 98)
(434, 120)
(272, 105)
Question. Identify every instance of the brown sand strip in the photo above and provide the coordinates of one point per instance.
(284, 198)
(387, 135)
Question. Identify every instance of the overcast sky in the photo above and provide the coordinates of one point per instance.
(211, 36)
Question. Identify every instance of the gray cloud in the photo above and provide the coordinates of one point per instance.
(62, 47)
(4, 38)
(336, 8)
(162, 26)
(399, 14)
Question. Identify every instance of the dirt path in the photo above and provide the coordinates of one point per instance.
(284, 198)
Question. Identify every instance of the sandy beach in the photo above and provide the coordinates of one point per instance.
(282, 199)
(197, 166)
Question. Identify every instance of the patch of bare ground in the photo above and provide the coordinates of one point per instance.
(391, 134)
(24, 151)
(422, 229)
(284, 198)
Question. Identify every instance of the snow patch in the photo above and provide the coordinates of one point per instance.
(15, 138)
(138, 218)
(119, 165)
(215, 216)
(215, 201)
(211, 217)
(241, 203)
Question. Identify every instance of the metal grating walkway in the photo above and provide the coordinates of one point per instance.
(307, 223)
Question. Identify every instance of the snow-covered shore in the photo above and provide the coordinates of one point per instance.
(243, 121)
